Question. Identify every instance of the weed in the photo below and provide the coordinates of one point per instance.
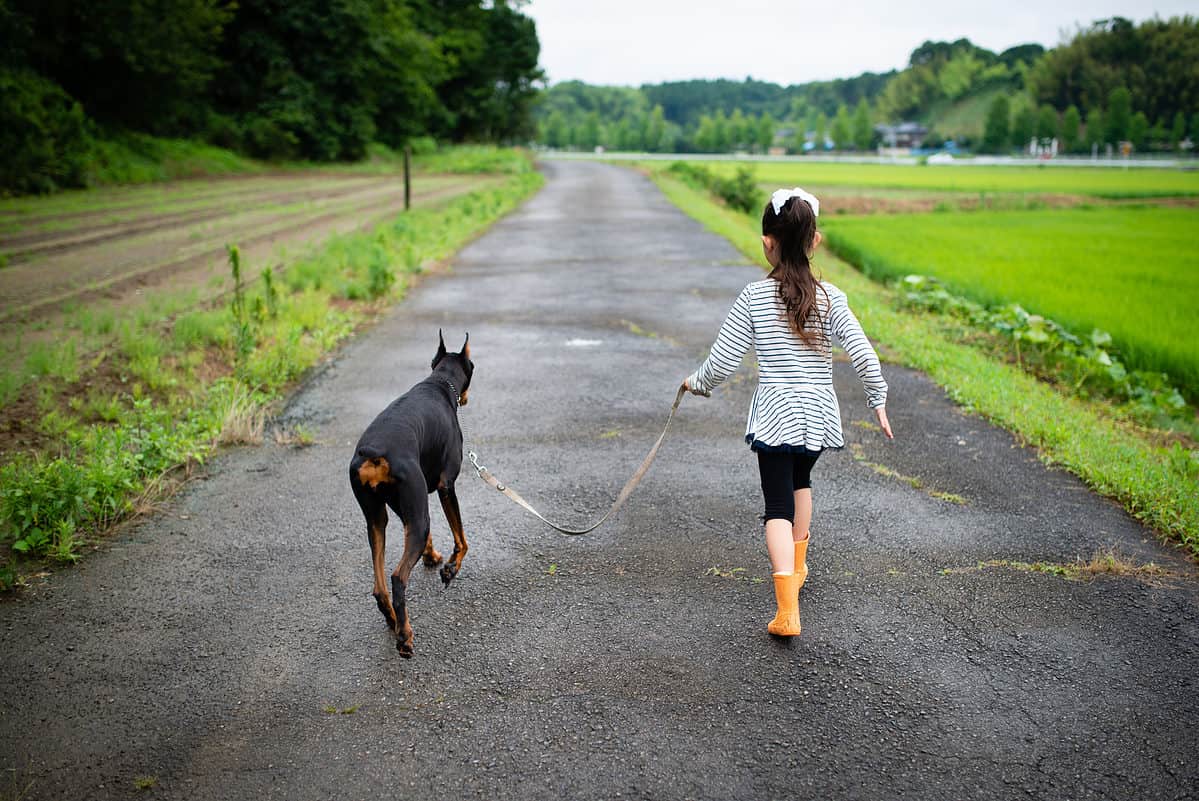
(53, 360)
(10, 386)
(243, 417)
(144, 783)
(298, 437)
(1104, 562)
(552, 569)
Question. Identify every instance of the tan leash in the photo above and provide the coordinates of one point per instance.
(632, 483)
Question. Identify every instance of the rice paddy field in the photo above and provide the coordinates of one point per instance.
(1100, 182)
(1133, 272)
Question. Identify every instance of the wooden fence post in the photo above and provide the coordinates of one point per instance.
(407, 177)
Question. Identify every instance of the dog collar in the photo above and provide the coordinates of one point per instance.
(454, 389)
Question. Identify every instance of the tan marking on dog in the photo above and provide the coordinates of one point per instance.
(462, 398)
(375, 471)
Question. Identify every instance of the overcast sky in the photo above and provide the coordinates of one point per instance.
(631, 42)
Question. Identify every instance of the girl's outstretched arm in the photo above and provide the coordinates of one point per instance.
(735, 338)
(849, 334)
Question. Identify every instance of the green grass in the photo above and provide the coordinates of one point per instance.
(1132, 272)
(1102, 182)
(161, 413)
(138, 159)
(964, 117)
(1156, 484)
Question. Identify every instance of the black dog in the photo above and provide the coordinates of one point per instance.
(411, 449)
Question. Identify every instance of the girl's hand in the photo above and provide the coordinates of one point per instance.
(883, 423)
(702, 394)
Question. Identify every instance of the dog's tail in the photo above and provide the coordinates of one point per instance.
(367, 452)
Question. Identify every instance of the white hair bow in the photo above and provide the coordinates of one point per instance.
(781, 196)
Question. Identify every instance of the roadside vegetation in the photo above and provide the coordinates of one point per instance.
(1065, 393)
(104, 412)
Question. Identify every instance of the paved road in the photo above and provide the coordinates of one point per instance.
(205, 646)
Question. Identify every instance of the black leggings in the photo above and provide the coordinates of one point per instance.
(782, 474)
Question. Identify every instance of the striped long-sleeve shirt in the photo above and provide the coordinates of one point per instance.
(795, 405)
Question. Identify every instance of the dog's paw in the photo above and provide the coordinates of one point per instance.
(447, 574)
(405, 649)
(432, 559)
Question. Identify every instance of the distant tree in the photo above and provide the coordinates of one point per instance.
(143, 65)
(1046, 122)
(997, 128)
(842, 129)
(1095, 131)
(655, 130)
(863, 128)
(764, 132)
(1159, 134)
(1071, 121)
(705, 135)
(720, 132)
(1154, 59)
(589, 134)
(1119, 114)
(553, 132)
(1024, 126)
(1178, 130)
(1138, 130)
(821, 129)
(737, 131)
(959, 74)
(1194, 132)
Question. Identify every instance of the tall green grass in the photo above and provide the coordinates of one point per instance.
(1104, 182)
(1131, 272)
(1159, 485)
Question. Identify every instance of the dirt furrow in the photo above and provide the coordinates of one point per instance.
(200, 263)
(22, 246)
(28, 286)
(93, 203)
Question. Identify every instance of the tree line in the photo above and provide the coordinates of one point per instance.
(988, 101)
(1114, 82)
(276, 79)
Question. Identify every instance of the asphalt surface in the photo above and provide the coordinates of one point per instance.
(229, 648)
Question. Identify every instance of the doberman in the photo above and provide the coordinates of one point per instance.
(411, 449)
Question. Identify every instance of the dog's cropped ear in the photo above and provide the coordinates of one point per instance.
(466, 346)
(440, 348)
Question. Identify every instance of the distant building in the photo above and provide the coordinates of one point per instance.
(904, 135)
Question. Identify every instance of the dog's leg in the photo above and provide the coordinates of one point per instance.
(376, 533)
(449, 504)
(415, 514)
(431, 557)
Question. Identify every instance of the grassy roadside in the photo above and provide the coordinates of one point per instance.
(114, 418)
(1158, 485)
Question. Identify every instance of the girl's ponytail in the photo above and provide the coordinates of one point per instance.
(793, 228)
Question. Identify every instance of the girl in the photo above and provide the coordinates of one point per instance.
(790, 319)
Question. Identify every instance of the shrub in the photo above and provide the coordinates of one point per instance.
(44, 135)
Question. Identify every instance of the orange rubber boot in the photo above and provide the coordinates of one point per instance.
(786, 594)
(801, 559)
